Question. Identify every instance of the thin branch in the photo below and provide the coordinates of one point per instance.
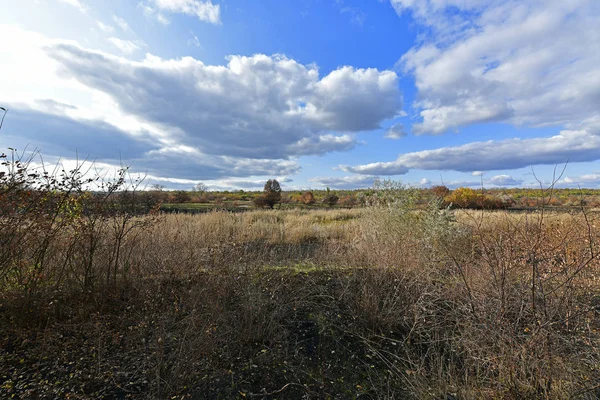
(5, 112)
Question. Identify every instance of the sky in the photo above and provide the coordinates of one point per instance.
(314, 93)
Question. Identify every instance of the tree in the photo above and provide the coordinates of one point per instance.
(200, 187)
(330, 199)
(271, 194)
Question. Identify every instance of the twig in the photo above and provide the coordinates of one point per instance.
(5, 112)
(265, 393)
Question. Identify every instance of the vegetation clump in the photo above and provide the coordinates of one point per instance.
(271, 195)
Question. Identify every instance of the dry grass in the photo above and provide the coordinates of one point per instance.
(370, 303)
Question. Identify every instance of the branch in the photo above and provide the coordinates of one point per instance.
(5, 112)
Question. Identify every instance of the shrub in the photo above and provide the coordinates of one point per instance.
(348, 201)
(261, 202)
(464, 198)
(440, 191)
(181, 196)
(308, 198)
(330, 199)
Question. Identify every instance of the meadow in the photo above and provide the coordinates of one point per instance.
(101, 298)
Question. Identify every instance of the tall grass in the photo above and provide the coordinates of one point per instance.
(380, 302)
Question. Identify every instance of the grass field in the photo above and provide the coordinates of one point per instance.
(377, 302)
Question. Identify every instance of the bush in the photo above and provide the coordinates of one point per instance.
(348, 201)
(261, 202)
(308, 198)
(330, 199)
(439, 191)
(181, 196)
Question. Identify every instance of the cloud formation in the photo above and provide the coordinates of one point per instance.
(344, 182)
(568, 146)
(262, 107)
(504, 180)
(533, 63)
(75, 3)
(183, 119)
(396, 132)
(205, 11)
(125, 46)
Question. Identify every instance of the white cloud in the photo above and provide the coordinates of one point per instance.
(121, 23)
(322, 144)
(477, 173)
(253, 107)
(75, 3)
(344, 182)
(396, 132)
(204, 10)
(424, 182)
(533, 63)
(106, 28)
(578, 145)
(583, 180)
(530, 63)
(180, 118)
(357, 16)
(504, 180)
(194, 41)
(125, 46)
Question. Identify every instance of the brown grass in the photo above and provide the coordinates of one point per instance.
(369, 303)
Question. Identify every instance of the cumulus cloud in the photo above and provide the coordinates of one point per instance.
(424, 182)
(205, 11)
(570, 145)
(263, 107)
(322, 144)
(181, 119)
(532, 63)
(396, 132)
(504, 180)
(583, 180)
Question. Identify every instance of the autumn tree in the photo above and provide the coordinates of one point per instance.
(271, 195)
(440, 191)
(308, 198)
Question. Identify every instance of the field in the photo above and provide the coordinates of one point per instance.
(381, 302)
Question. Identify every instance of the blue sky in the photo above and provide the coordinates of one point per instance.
(315, 93)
